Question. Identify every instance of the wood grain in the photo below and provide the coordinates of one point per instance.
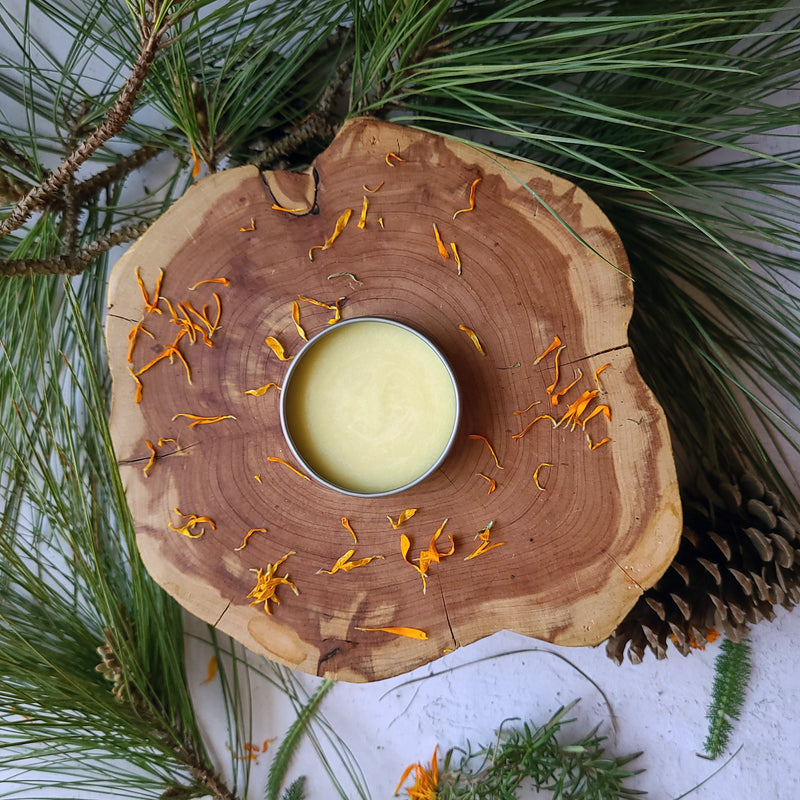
(576, 554)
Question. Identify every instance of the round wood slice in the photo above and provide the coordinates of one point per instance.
(539, 260)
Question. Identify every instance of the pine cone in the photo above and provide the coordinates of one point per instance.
(739, 556)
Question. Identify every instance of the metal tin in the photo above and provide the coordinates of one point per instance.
(286, 396)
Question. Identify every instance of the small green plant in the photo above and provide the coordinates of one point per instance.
(728, 693)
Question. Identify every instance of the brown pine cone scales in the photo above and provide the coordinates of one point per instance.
(739, 557)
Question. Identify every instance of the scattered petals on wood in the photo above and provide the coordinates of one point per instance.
(150, 305)
(247, 537)
(362, 222)
(536, 475)
(553, 345)
(267, 584)
(551, 388)
(601, 408)
(474, 338)
(410, 633)
(597, 376)
(344, 564)
(152, 460)
(372, 191)
(337, 314)
(139, 386)
(223, 281)
(191, 521)
(349, 527)
(405, 515)
(276, 460)
(132, 338)
(492, 482)
(440, 244)
(489, 445)
(471, 206)
(528, 408)
(277, 348)
(340, 226)
(532, 423)
(277, 207)
(296, 320)
(484, 546)
(200, 420)
(262, 390)
(456, 256)
(556, 396)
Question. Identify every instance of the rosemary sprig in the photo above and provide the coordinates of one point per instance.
(534, 756)
(731, 676)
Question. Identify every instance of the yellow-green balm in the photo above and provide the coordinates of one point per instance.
(369, 406)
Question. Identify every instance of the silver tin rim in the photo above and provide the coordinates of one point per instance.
(299, 457)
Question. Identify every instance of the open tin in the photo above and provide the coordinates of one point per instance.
(369, 407)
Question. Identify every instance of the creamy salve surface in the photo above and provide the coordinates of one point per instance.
(371, 406)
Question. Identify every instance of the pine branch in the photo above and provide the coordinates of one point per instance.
(283, 757)
(320, 124)
(115, 120)
(732, 674)
(74, 263)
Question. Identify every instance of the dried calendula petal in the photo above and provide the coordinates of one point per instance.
(597, 376)
(440, 244)
(594, 446)
(528, 408)
(192, 520)
(532, 423)
(349, 527)
(340, 226)
(132, 338)
(601, 408)
(474, 338)
(484, 546)
(212, 670)
(139, 386)
(492, 482)
(150, 305)
(472, 190)
(296, 320)
(344, 564)
(536, 475)
(200, 420)
(152, 460)
(276, 207)
(456, 256)
(489, 445)
(223, 281)
(267, 584)
(277, 348)
(405, 515)
(276, 460)
(247, 537)
(393, 156)
(250, 227)
(362, 222)
(558, 395)
(262, 390)
(553, 385)
(553, 345)
(411, 633)
(372, 191)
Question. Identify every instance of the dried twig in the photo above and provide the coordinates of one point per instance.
(73, 263)
(116, 119)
